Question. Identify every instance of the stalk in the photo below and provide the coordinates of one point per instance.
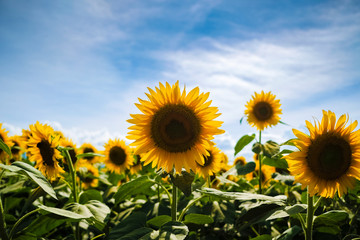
(20, 220)
(174, 202)
(309, 217)
(3, 233)
(259, 157)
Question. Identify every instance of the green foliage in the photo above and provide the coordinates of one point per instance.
(5, 148)
(242, 142)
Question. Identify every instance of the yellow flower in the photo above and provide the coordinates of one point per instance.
(212, 163)
(18, 147)
(118, 156)
(329, 158)
(137, 164)
(4, 137)
(88, 148)
(240, 160)
(263, 110)
(68, 143)
(42, 148)
(90, 181)
(175, 128)
(266, 173)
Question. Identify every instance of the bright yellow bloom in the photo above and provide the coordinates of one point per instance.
(93, 181)
(266, 173)
(6, 140)
(212, 163)
(328, 159)
(240, 160)
(175, 128)
(263, 110)
(68, 143)
(42, 148)
(88, 148)
(118, 156)
(18, 147)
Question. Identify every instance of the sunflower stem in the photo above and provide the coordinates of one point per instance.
(20, 220)
(309, 217)
(259, 157)
(3, 233)
(174, 203)
(189, 206)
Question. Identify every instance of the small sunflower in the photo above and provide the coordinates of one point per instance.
(263, 110)
(175, 128)
(137, 164)
(329, 158)
(42, 148)
(88, 148)
(240, 160)
(91, 181)
(4, 137)
(68, 143)
(118, 156)
(266, 173)
(18, 147)
(212, 163)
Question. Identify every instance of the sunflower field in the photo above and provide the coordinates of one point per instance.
(173, 182)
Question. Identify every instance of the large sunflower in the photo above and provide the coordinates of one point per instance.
(212, 163)
(42, 148)
(175, 128)
(4, 137)
(88, 148)
(329, 158)
(263, 110)
(118, 156)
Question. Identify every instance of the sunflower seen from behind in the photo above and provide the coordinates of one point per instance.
(42, 145)
(175, 128)
(263, 110)
(212, 163)
(4, 137)
(118, 156)
(328, 160)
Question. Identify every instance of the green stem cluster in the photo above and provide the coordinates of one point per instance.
(174, 203)
(259, 157)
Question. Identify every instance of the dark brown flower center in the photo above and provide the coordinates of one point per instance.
(329, 156)
(88, 179)
(175, 128)
(72, 154)
(89, 150)
(46, 152)
(15, 149)
(117, 155)
(263, 111)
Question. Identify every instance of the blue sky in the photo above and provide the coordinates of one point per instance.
(81, 65)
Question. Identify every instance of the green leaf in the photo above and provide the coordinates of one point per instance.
(287, 179)
(139, 185)
(270, 148)
(245, 169)
(275, 162)
(89, 154)
(99, 213)
(198, 218)
(243, 141)
(289, 142)
(330, 221)
(34, 174)
(136, 234)
(288, 211)
(262, 237)
(44, 224)
(82, 213)
(173, 231)
(158, 221)
(183, 181)
(5, 148)
(241, 119)
(242, 196)
(134, 222)
(90, 194)
(289, 234)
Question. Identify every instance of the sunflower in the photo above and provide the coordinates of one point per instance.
(329, 158)
(68, 143)
(4, 137)
(42, 148)
(18, 147)
(88, 148)
(92, 180)
(175, 128)
(240, 160)
(263, 110)
(266, 172)
(212, 163)
(118, 156)
(137, 164)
